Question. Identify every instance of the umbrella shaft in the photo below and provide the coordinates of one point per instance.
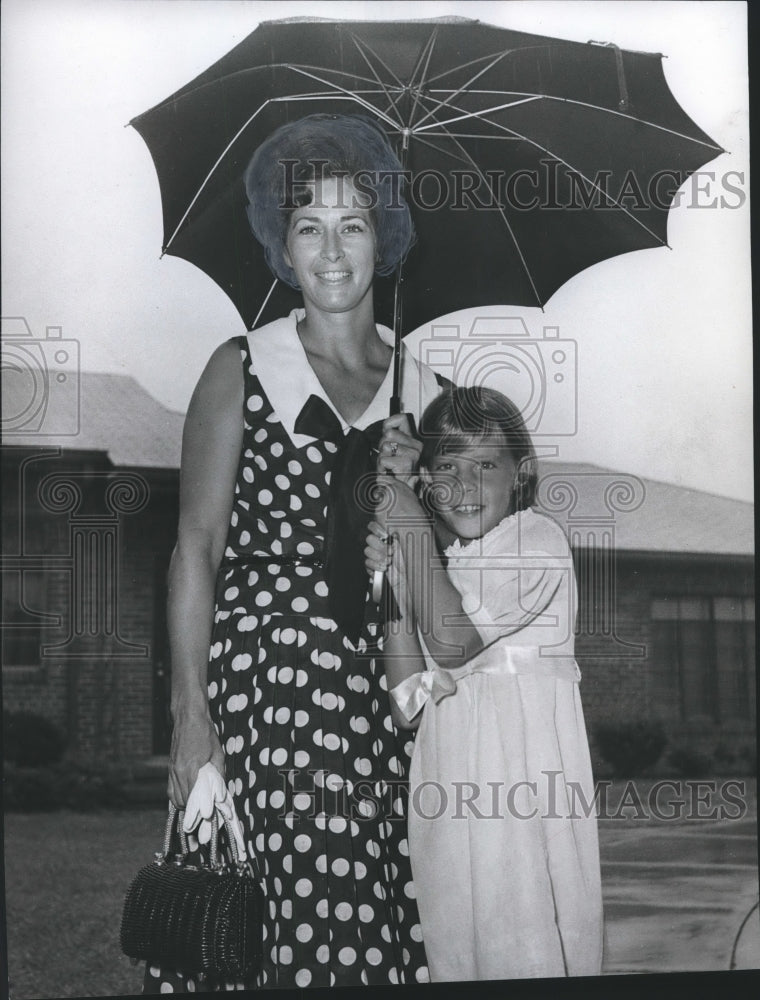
(395, 406)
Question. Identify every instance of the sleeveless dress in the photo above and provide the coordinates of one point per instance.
(317, 770)
(502, 822)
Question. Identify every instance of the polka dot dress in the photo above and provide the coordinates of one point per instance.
(317, 769)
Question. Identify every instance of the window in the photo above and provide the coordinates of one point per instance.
(704, 652)
(22, 626)
(735, 655)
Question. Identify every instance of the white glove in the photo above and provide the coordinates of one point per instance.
(210, 793)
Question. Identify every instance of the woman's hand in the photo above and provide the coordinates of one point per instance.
(383, 553)
(399, 450)
(211, 445)
(194, 743)
(377, 551)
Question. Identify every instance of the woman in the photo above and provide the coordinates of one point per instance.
(291, 705)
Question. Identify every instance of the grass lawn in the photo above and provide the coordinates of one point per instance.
(66, 875)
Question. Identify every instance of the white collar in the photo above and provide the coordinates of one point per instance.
(282, 366)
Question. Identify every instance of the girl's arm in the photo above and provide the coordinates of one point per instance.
(211, 445)
(450, 636)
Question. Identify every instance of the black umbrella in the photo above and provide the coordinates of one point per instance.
(530, 158)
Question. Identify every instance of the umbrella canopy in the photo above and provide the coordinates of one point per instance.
(529, 158)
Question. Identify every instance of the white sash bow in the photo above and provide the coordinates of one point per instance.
(437, 682)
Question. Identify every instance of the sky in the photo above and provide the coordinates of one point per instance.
(663, 336)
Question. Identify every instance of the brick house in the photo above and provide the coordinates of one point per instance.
(89, 523)
(666, 623)
(666, 582)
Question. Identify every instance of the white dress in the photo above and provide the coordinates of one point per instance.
(502, 825)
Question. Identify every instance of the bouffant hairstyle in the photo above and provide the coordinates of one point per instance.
(465, 417)
(314, 148)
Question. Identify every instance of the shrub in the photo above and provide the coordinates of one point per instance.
(724, 755)
(749, 754)
(630, 747)
(734, 760)
(31, 740)
(68, 785)
(690, 762)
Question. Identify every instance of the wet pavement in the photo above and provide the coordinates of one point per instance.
(676, 893)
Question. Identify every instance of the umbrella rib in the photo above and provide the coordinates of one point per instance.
(633, 118)
(473, 114)
(344, 95)
(495, 57)
(208, 176)
(427, 53)
(329, 94)
(349, 93)
(464, 86)
(326, 69)
(564, 100)
(443, 152)
(564, 162)
(264, 303)
(468, 159)
(361, 46)
(382, 62)
(474, 135)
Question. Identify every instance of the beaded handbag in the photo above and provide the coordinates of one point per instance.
(204, 918)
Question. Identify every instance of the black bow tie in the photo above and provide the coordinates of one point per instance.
(318, 420)
(348, 510)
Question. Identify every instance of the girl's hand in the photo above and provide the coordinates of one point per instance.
(194, 743)
(399, 450)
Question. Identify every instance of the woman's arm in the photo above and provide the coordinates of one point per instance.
(211, 445)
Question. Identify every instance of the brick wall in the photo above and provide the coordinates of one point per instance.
(620, 682)
(101, 560)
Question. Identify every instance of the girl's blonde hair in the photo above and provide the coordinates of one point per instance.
(464, 417)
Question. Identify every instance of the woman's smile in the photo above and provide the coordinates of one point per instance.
(333, 277)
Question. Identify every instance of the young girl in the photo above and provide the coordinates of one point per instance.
(502, 830)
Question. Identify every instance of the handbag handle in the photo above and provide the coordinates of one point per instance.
(174, 812)
(178, 815)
